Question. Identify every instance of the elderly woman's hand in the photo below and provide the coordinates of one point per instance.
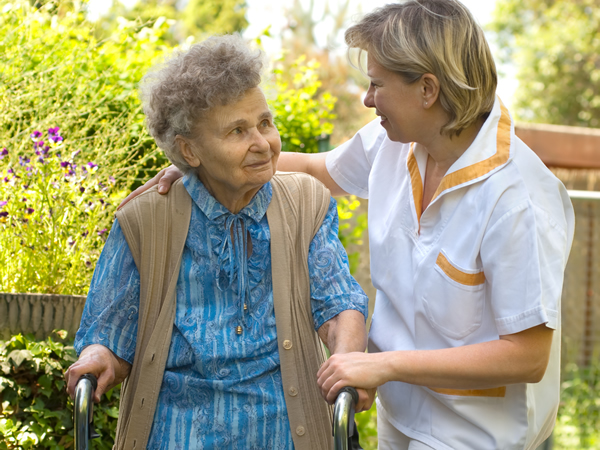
(108, 368)
(165, 178)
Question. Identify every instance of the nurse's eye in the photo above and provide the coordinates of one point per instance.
(373, 85)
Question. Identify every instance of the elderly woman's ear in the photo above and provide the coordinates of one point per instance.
(186, 150)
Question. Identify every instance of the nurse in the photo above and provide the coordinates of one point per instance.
(469, 235)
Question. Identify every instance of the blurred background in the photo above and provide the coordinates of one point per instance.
(76, 64)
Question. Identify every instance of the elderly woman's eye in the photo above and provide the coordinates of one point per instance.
(237, 130)
(265, 123)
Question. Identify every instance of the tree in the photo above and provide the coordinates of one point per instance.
(343, 82)
(555, 45)
(198, 18)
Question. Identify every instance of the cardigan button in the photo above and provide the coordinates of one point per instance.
(293, 391)
(300, 430)
(287, 344)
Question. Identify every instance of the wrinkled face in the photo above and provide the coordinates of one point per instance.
(237, 148)
(396, 102)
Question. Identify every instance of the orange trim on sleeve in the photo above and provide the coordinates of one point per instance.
(416, 181)
(481, 168)
(468, 279)
(493, 392)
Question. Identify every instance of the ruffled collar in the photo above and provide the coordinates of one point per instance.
(229, 236)
(214, 210)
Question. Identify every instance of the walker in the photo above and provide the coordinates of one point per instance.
(83, 409)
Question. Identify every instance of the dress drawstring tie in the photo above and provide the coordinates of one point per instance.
(233, 263)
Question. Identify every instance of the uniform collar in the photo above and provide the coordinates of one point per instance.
(214, 210)
(490, 151)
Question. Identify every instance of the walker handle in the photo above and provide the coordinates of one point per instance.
(343, 417)
(83, 411)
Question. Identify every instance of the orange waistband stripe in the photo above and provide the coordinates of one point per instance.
(468, 279)
(493, 392)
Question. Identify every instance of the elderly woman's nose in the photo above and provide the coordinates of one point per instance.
(259, 142)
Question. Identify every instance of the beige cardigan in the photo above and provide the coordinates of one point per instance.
(155, 227)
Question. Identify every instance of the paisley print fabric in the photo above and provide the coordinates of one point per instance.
(220, 389)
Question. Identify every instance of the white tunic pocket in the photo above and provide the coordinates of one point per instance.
(454, 298)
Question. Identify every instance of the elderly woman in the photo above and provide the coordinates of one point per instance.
(206, 301)
(469, 235)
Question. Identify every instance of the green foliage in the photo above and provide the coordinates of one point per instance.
(54, 71)
(202, 17)
(54, 213)
(556, 47)
(352, 227)
(367, 428)
(578, 424)
(36, 412)
(302, 114)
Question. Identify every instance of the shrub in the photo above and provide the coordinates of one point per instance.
(54, 70)
(36, 412)
(54, 212)
(302, 114)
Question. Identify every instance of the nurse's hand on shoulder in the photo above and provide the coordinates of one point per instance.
(356, 369)
(165, 178)
(108, 368)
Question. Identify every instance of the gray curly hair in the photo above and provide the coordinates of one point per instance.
(181, 91)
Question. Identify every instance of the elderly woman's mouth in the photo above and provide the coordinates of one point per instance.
(260, 163)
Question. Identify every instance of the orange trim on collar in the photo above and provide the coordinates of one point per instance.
(493, 392)
(415, 181)
(481, 168)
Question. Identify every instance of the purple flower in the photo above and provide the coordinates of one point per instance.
(23, 160)
(6, 180)
(53, 131)
(101, 232)
(23, 200)
(3, 203)
(36, 134)
(3, 214)
(112, 179)
(91, 165)
(65, 164)
(85, 233)
(82, 189)
(30, 210)
(41, 159)
(71, 243)
(3, 153)
(56, 139)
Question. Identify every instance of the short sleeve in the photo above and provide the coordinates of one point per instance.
(110, 314)
(524, 255)
(332, 288)
(350, 164)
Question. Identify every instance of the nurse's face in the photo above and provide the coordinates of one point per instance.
(397, 103)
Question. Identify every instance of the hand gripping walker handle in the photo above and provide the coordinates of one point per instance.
(343, 417)
(83, 411)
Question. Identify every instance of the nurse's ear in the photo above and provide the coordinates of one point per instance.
(188, 151)
(429, 89)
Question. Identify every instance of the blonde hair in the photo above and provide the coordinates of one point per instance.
(440, 37)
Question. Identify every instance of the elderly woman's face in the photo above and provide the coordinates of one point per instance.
(236, 150)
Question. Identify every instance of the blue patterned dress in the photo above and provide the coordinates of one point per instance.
(219, 389)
